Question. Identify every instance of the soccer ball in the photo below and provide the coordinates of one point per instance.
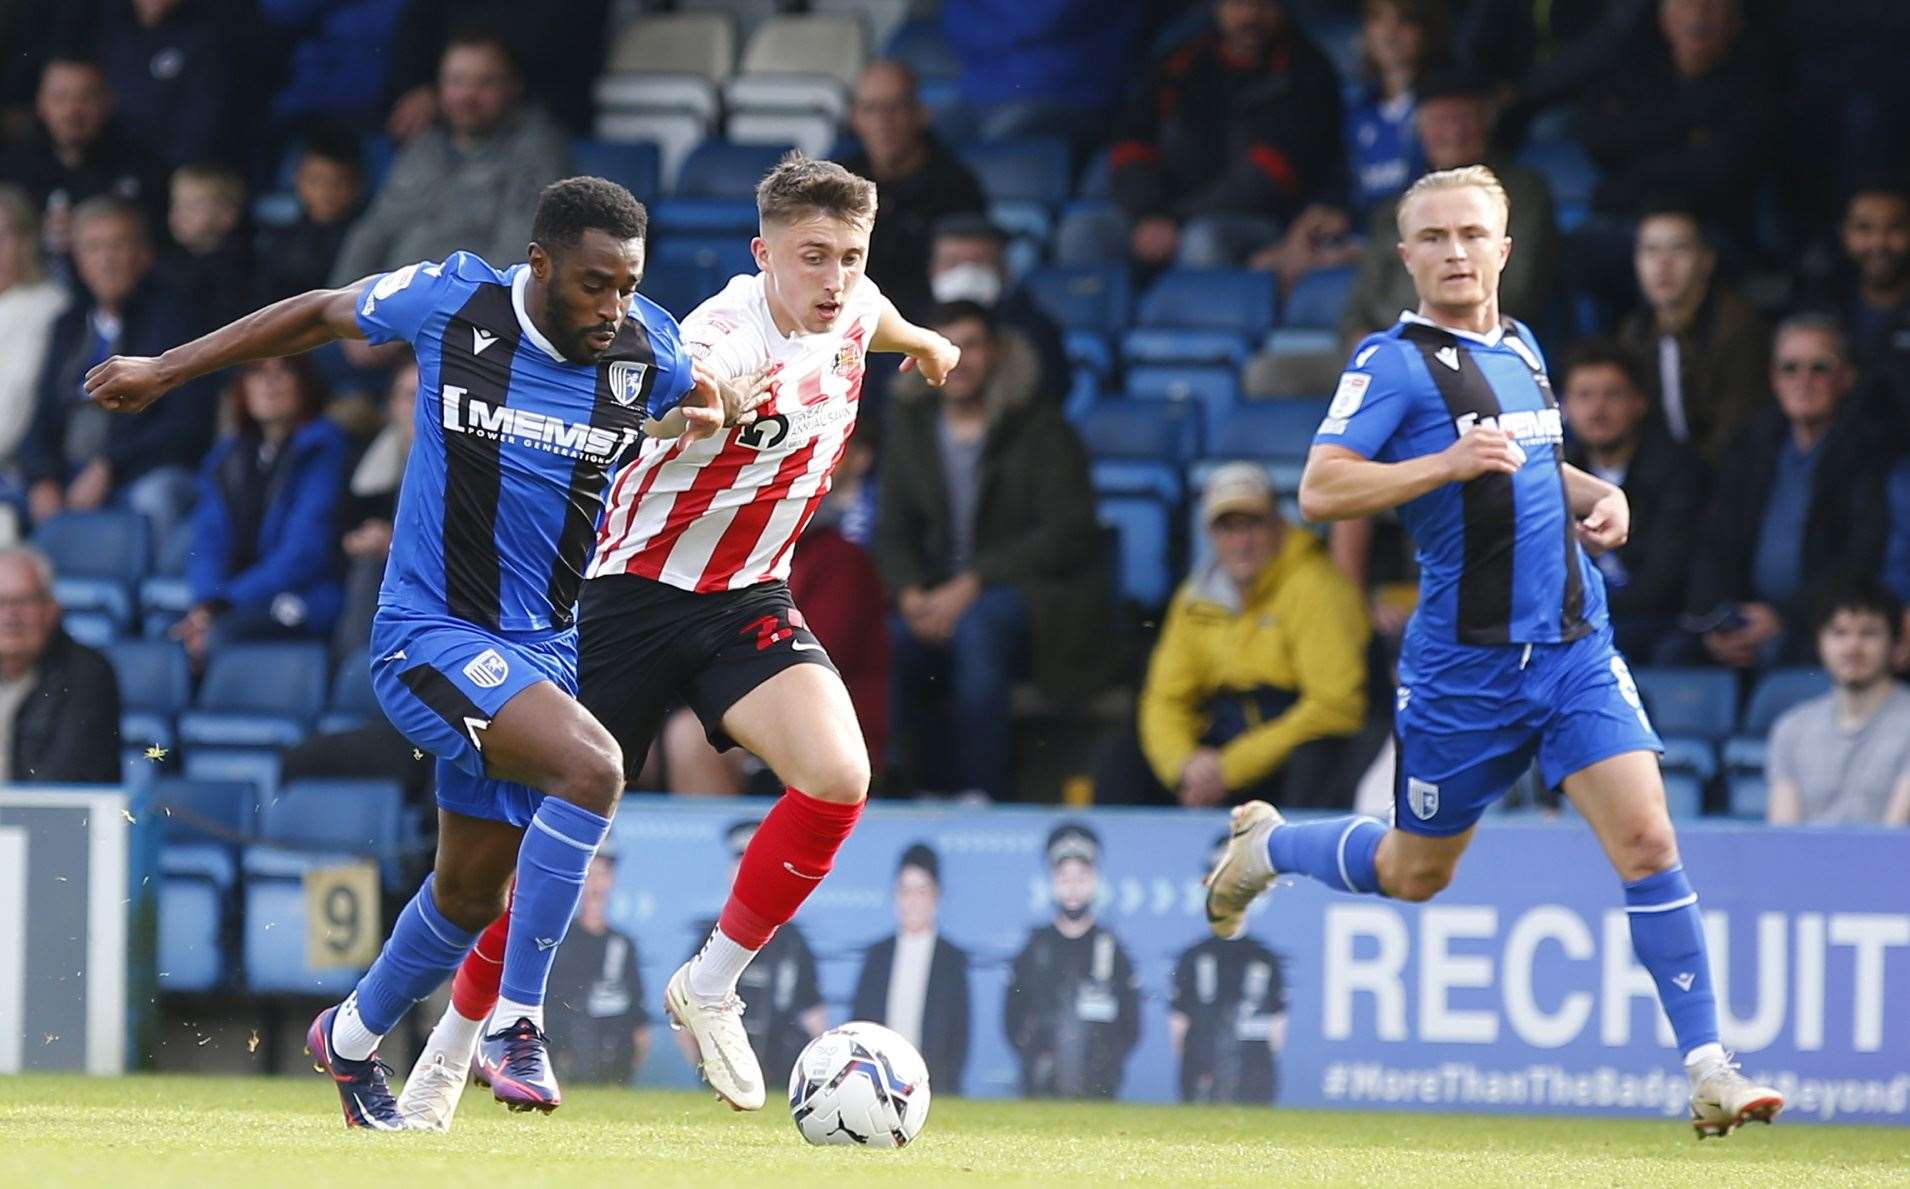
(859, 1084)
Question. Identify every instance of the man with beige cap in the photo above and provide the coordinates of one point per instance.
(1259, 675)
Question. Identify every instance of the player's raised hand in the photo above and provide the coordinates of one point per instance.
(127, 383)
(1607, 526)
(701, 408)
(743, 396)
(934, 357)
(1483, 450)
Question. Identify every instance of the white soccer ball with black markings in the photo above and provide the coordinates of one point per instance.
(859, 1084)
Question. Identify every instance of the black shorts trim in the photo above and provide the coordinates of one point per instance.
(645, 646)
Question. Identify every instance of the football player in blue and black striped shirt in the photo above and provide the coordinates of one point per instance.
(1448, 416)
(534, 382)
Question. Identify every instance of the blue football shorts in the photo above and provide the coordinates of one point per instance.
(1469, 723)
(440, 681)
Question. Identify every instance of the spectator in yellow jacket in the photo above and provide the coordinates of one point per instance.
(1259, 677)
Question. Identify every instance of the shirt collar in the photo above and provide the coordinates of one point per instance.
(524, 323)
(1486, 340)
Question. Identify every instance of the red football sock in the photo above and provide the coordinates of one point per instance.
(474, 989)
(792, 850)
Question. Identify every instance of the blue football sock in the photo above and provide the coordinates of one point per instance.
(1667, 934)
(1338, 851)
(550, 881)
(425, 947)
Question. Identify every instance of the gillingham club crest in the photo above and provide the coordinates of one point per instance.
(626, 381)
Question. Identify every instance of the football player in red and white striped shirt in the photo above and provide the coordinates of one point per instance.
(685, 598)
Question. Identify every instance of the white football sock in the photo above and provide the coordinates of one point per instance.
(350, 1038)
(454, 1036)
(509, 1011)
(717, 966)
(1704, 1057)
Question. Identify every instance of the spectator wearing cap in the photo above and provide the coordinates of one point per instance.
(1259, 676)
(1614, 437)
(1844, 758)
(1703, 344)
(986, 540)
(1073, 1010)
(1234, 137)
(468, 182)
(915, 981)
(1798, 511)
(967, 262)
(921, 179)
(1453, 115)
(1227, 1018)
(782, 998)
(59, 700)
(596, 1019)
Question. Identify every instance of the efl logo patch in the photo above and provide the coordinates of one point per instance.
(488, 670)
(626, 381)
(1347, 397)
(1422, 797)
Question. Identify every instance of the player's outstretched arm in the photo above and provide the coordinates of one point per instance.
(128, 383)
(928, 352)
(1602, 509)
(1341, 484)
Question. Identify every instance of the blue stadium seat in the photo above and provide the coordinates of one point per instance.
(1778, 691)
(164, 598)
(637, 165)
(721, 255)
(275, 928)
(316, 823)
(257, 766)
(1145, 565)
(1081, 297)
(1697, 758)
(198, 868)
(1034, 169)
(1271, 429)
(1215, 389)
(258, 695)
(98, 560)
(1137, 476)
(95, 629)
(1701, 703)
(1684, 796)
(1183, 344)
(1240, 300)
(680, 288)
(1302, 340)
(1148, 428)
(1571, 173)
(1750, 794)
(354, 817)
(352, 703)
(1317, 300)
(153, 675)
(1089, 349)
(703, 216)
(920, 43)
(719, 169)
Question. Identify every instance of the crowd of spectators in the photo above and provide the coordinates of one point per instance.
(167, 165)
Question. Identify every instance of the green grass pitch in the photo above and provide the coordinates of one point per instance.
(201, 1131)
